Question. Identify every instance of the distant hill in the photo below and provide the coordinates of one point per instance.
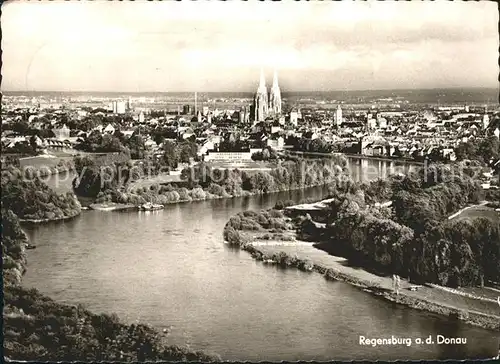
(445, 96)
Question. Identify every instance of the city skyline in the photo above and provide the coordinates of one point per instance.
(176, 47)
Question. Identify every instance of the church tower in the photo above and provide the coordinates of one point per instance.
(275, 98)
(260, 105)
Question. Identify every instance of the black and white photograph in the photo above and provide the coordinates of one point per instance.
(229, 181)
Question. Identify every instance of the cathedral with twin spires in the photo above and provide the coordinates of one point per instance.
(266, 105)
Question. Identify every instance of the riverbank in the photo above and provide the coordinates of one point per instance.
(461, 211)
(36, 328)
(43, 221)
(111, 206)
(386, 159)
(203, 182)
(116, 206)
(359, 156)
(282, 249)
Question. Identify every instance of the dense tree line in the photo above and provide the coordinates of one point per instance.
(422, 208)
(161, 133)
(259, 221)
(175, 153)
(95, 175)
(234, 145)
(38, 329)
(413, 238)
(97, 142)
(285, 176)
(94, 119)
(265, 154)
(135, 144)
(22, 147)
(13, 252)
(484, 149)
(202, 181)
(11, 161)
(433, 193)
(317, 145)
(24, 128)
(115, 172)
(31, 199)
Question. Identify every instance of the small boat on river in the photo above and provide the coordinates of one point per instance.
(148, 206)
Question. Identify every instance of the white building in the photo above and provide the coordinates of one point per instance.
(486, 121)
(109, 129)
(229, 156)
(81, 113)
(372, 123)
(275, 129)
(382, 123)
(276, 144)
(294, 118)
(61, 133)
(338, 116)
(119, 107)
(275, 97)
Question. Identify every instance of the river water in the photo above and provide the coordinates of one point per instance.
(171, 269)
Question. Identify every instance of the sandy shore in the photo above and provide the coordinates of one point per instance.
(472, 309)
(111, 206)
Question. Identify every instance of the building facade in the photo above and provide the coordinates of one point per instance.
(265, 104)
(338, 116)
(294, 118)
(61, 133)
(119, 107)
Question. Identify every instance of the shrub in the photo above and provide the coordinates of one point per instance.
(197, 194)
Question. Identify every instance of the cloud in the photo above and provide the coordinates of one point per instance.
(183, 45)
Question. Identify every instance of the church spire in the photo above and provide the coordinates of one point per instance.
(275, 80)
(262, 84)
(275, 97)
(261, 101)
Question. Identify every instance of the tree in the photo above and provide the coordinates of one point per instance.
(169, 157)
(187, 150)
(136, 146)
(21, 127)
(489, 148)
(33, 143)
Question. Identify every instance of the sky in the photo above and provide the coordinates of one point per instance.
(222, 46)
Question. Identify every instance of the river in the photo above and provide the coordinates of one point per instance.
(171, 269)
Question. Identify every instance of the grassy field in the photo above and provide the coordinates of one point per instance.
(40, 161)
(491, 292)
(162, 178)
